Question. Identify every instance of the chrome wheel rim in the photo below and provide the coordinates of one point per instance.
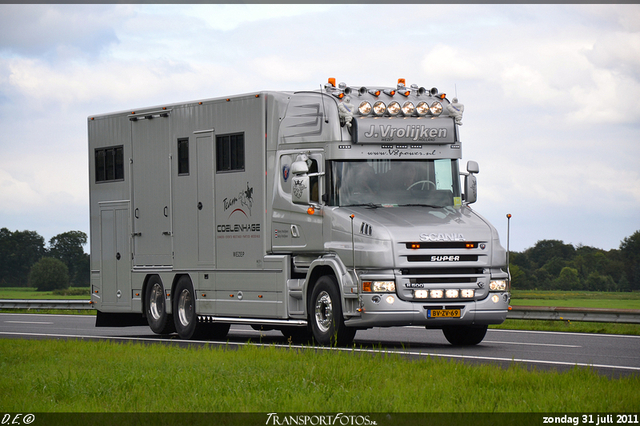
(157, 296)
(185, 308)
(324, 312)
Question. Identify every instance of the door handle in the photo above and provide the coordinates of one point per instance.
(199, 206)
(295, 232)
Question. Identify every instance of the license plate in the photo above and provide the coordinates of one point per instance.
(443, 313)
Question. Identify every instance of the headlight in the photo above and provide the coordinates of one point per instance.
(436, 108)
(394, 108)
(422, 109)
(365, 108)
(384, 286)
(379, 108)
(498, 285)
(379, 286)
(408, 108)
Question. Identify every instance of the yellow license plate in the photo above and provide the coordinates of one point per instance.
(443, 313)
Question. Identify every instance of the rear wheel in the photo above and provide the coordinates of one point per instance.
(155, 307)
(325, 314)
(184, 309)
(465, 335)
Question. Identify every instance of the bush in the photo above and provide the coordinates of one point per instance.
(49, 274)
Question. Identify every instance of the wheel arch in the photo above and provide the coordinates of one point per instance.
(327, 266)
(313, 277)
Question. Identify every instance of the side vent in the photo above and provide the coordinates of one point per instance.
(366, 229)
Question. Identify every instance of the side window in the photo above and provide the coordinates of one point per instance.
(109, 164)
(230, 153)
(183, 156)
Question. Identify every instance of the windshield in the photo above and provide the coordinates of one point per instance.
(391, 183)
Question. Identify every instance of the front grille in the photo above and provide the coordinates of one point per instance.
(442, 258)
(443, 245)
(442, 271)
(444, 280)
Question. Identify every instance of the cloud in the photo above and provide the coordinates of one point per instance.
(53, 30)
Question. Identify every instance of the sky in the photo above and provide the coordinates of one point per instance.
(550, 93)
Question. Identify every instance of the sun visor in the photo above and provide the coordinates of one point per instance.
(411, 130)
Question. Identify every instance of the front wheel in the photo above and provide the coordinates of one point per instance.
(325, 315)
(465, 335)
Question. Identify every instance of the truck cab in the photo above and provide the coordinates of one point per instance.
(383, 204)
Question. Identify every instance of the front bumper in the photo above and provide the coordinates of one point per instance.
(387, 309)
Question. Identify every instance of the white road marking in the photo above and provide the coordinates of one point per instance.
(531, 344)
(28, 322)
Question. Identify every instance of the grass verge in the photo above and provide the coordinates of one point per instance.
(576, 299)
(72, 376)
(570, 326)
(80, 293)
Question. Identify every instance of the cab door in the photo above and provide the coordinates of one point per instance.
(296, 227)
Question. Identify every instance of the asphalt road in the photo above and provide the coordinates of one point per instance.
(610, 355)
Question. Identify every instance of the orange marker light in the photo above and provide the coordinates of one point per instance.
(401, 81)
(366, 286)
(311, 210)
(332, 81)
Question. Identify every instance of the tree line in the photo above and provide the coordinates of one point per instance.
(554, 265)
(549, 265)
(25, 261)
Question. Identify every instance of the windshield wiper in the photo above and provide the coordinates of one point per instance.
(421, 205)
(370, 205)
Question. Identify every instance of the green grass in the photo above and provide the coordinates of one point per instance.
(576, 299)
(70, 376)
(570, 326)
(32, 293)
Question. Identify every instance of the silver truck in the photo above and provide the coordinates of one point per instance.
(317, 213)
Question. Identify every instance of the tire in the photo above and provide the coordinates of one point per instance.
(325, 314)
(184, 309)
(155, 307)
(465, 335)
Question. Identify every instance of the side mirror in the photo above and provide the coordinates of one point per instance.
(470, 189)
(470, 183)
(300, 189)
